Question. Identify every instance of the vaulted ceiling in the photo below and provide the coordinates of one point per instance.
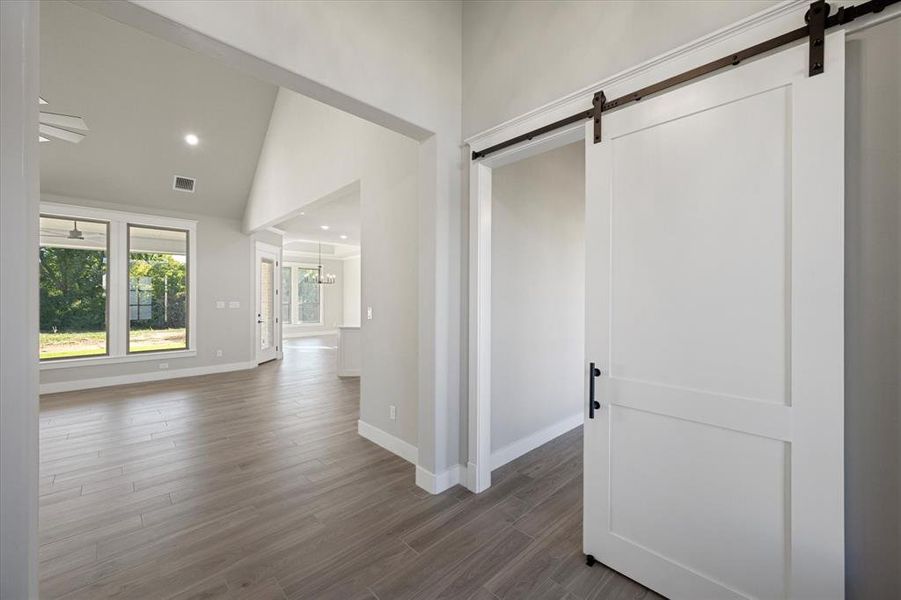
(140, 96)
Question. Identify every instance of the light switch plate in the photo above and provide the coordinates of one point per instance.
(234, 304)
(220, 303)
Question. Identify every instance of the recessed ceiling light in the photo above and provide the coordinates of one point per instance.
(324, 227)
(302, 213)
(191, 139)
(343, 237)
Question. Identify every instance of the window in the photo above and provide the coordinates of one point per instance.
(73, 288)
(308, 288)
(301, 301)
(113, 285)
(286, 296)
(157, 289)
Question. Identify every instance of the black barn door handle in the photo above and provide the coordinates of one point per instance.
(593, 404)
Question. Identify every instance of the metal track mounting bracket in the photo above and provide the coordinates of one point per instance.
(596, 109)
(816, 26)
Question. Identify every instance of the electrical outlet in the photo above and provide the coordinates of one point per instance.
(218, 352)
(392, 412)
(369, 313)
(164, 365)
(234, 304)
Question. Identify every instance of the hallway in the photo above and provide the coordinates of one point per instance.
(255, 484)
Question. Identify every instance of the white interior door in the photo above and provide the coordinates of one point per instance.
(267, 281)
(714, 220)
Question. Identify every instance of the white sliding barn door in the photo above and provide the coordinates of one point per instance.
(714, 233)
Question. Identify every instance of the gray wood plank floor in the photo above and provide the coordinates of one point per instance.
(256, 485)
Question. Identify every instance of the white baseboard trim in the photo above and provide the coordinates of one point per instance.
(435, 484)
(470, 480)
(530, 442)
(349, 373)
(430, 482)
(98, 382)
(391, 443)
(290, 335)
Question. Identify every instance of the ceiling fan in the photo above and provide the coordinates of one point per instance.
(73, 234)
(55, 125)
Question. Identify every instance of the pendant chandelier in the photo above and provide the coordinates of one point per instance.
(326, 278)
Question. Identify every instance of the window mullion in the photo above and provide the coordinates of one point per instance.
(118, 289)
(295, 302)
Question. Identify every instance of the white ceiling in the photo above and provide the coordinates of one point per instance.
(339, 211)
(139, 96)
(302, 251)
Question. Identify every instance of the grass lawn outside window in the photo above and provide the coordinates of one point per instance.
(93, 343)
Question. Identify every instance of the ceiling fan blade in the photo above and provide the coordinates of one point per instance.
(49, 118)
(62, 134)
(65, 234)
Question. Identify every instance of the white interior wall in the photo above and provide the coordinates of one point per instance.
(332, 296)
(537, 300)
(350, 151)
(293, 170)
(873, 313)
(352, 292)
(518, 56)
(224, 271)
(389, 284)
(18, 300)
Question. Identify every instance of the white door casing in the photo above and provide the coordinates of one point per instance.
(714, 293)
(266, 296)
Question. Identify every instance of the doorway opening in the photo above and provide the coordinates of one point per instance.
(537, 300)
(167, 212)
(533, 305)
(267, 294)
(321, 277)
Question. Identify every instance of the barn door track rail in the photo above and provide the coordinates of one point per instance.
(818, 20)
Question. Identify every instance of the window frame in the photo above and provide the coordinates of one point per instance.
(107, 287)
(189, 322)
(117, 283)
(282, 295)
(295, 303)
